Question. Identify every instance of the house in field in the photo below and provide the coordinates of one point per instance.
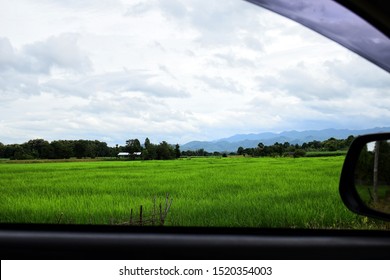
(128, 155)
(123, 155)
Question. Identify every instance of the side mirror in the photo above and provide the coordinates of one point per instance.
(365, 177)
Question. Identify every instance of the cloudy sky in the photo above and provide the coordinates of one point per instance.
(174, 70)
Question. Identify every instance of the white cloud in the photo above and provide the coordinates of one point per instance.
(22, 70)
(8, 57)
(113, 83)
(17, 85)
(58, 51)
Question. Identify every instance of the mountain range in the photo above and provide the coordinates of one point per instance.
(232, 143)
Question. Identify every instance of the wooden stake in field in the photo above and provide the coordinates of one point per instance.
(140, 215)
(154, 217)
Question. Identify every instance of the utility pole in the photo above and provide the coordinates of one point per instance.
(375, 179)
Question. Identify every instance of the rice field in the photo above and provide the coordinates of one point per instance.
(207, 192)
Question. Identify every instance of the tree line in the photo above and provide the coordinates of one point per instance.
(65, 149)
(58, 149)
(296, 150)
(150, 151)
(282, 149)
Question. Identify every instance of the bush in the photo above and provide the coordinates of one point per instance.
(299, 153)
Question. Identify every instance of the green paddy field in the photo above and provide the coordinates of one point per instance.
(211, 192)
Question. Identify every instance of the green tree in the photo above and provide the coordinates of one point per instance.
(299, 153)
(260, 151)
(2, 150)
(62, 149)
(21, 153)
(133, 145)
(200, 152)
(177, 151)
(47, 151)
(150, 151)
(165, 151)
(331, 144)
(38, 148)
(102, 150)
(147, 143)
(80, 148)
(9, 150)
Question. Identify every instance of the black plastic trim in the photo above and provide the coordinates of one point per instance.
(115, 242)
(347, 186)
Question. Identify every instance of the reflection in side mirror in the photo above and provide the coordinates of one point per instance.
(365, 178)
(372, 175)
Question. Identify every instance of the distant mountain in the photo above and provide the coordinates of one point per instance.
(232, 143)
(252, 136)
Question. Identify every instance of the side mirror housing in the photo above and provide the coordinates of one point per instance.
(365, 177)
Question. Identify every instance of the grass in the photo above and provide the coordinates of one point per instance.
(382, 204)
(232, 192)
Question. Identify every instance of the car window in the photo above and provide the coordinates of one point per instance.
(178, 113)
